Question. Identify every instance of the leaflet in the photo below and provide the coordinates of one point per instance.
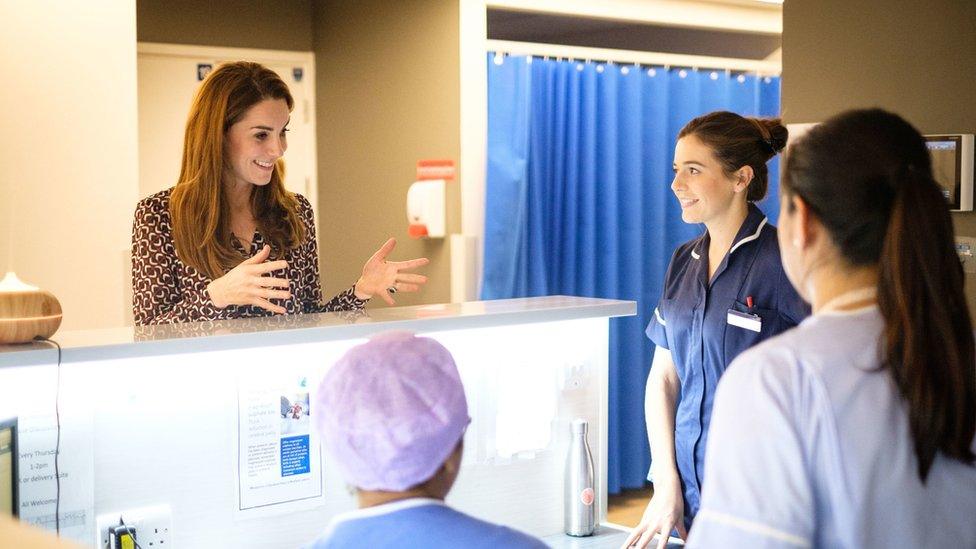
(278, 457)
(40, 500)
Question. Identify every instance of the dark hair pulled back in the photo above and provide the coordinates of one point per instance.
(739, 141)
(866, 175)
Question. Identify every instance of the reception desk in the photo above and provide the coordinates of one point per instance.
(201, 430)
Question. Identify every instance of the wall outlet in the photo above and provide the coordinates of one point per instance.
(154, 526)
(966, 248)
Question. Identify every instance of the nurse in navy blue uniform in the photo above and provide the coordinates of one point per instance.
(724, 292)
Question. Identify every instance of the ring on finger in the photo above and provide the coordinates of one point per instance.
(392, 289)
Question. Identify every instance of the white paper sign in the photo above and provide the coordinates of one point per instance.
(278, 455)
(37, 438)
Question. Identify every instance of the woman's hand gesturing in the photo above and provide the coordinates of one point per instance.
(383, 278)
(245, 285)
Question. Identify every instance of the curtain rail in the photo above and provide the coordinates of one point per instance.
(632, 57)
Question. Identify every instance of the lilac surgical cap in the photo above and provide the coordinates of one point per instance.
(391, 411)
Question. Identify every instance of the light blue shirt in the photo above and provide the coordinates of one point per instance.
(810, 447)
(421, 523)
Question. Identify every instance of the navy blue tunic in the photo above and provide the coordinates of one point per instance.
(707, 324)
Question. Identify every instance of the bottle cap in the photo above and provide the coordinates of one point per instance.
(580, 425)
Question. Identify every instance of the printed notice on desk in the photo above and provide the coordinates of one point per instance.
(278, 457)
(37, 437)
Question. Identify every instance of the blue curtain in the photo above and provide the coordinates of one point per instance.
(578, 199)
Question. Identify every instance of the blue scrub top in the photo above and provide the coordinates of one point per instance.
(418, 523)
(707, 324)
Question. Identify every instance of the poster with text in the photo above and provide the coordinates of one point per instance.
(278, 457)
(67, 505)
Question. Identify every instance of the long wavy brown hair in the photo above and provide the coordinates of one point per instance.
(199, 207)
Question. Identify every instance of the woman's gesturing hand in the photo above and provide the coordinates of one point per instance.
(664, 512)
(245, 285)
(383, 278)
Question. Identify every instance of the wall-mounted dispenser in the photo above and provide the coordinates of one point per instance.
(425, 209)
(426, 203)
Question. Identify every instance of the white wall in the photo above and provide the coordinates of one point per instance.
(467, 249)
(68, 152)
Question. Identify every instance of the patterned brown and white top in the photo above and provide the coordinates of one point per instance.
(166, 290)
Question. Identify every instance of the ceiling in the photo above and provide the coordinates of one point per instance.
(548, 28)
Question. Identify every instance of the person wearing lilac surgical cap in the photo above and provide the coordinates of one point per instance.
(392, 415)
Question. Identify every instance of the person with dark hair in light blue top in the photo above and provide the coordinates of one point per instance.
(856, 429)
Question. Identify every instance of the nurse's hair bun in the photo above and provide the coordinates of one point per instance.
(739, 141)
(772, 133)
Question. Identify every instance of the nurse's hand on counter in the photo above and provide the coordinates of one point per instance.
(245, 285)
(664, 512)
(381, 276)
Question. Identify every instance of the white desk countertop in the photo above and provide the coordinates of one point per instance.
(79, 346)
(607, 536)
(183, 406)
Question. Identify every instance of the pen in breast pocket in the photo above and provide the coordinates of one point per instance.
(749, 301)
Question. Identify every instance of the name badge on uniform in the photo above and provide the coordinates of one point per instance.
(745, 320)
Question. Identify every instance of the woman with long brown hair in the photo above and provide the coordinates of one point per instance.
(228, 241)
(855, 429)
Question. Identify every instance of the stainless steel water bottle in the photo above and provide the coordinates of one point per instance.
(580, 504)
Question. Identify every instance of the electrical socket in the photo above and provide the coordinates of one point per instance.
(153, 525)
(966, 248)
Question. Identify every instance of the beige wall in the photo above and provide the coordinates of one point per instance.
(69, 179)
(387, 95)
(915, 58)
(261, 24)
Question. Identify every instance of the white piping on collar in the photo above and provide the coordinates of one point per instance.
(378, 510)
(751, 237)
(701, 238)
(659, 319)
